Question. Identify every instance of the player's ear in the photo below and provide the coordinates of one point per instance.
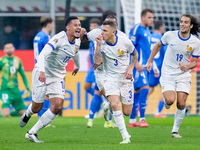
(191, 26)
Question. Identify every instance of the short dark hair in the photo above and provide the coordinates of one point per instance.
(107, 13)
(193, 21)
(95, 20)
(45, 20)
(145, 11)
(69, 19)
(4, 44)
(110, 23)
(158, 24)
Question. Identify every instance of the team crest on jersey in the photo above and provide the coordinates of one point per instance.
(189, 48)
(55, 40)
(120, 52)
(76, 50)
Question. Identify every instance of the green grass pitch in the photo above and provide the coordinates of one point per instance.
(71, 133)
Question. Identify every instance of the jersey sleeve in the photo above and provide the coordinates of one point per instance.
(93, 34)
(22, 73)
(130, 46)
(164, 40)
(56, 40)
(134, 34)
(196, 52)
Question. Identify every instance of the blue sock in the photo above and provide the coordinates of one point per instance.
(94, 104)
(135, 106)
(160, 105)
(99, 106)
(142, 101)
(45, 106)
(91, 91)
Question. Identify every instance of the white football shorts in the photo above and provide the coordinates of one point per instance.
(99, 77)
(123, 88)
(176, 83)
(55, 87)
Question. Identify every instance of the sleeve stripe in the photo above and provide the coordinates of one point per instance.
(133, 52)
(51, 45)
(195, 56)
(162, 43)
(86, 37)
(135, 29)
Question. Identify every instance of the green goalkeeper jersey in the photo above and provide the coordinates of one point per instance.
(9, 66)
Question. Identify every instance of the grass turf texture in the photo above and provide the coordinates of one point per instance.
(72, 134)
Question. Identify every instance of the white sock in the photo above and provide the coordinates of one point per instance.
(45, 119)
(156, 112)
(178, 118)
(142, 119)
(132, 121)
(119, 119)
(29, 111)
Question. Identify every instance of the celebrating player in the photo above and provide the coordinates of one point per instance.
(176, 70)
(48, 75)
(118, 82)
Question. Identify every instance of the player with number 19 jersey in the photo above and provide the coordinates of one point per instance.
(179, 51)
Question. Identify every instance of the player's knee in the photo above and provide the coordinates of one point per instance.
(181, 105)
(127, 112)
(86, 86)
(36, 109)
(57, 109)
(169, 100)
(5, 114)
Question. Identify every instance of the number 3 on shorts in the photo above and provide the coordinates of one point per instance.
(4, 98)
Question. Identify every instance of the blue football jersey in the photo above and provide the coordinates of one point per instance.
(141, 39)
(158, 58)
(91, 48)
(39, 42)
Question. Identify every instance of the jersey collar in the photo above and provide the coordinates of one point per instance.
(182, 38)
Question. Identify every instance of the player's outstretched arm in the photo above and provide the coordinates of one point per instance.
(77, 64)
(97, 54)
(134, 59)
(154, 51)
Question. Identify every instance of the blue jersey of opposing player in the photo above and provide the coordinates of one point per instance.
(158, 58)
(141, 39)
(39, 42)
(91, 54)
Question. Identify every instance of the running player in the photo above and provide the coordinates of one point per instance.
(176, 70)
(48, 76)
(118, 76)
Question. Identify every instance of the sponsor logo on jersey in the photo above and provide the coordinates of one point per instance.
(133, 38)
(189, 48)
(120, 52)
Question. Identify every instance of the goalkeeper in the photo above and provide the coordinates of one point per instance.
(10, 65)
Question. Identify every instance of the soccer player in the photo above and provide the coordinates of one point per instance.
(90, 78)
(40, 40)
(159, 29)
(48, 76)
(99, 91)
(10, 65)
(141, 39)
(118, 82)
(176, 70)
